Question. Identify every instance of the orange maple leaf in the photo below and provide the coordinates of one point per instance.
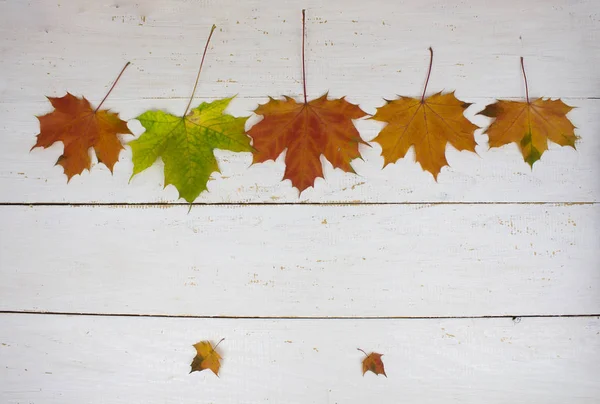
(530, 124)
(372, 363)
(308, 130)
(428, 124)
(80, 128)
(206, 357)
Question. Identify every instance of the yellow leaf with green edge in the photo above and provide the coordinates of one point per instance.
(186, 144)
(530, 125)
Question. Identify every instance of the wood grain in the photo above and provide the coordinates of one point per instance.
(56, 359)
(366, 53)
(352, 49)
(424, 260)
(366, 262)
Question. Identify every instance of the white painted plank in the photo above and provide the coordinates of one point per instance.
(403, 260)
(562, 175)
(364, 52)
(353, 48)
(69, 360)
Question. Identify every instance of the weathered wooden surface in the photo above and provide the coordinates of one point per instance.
(398, 260)
(58, 359)
(491, 238)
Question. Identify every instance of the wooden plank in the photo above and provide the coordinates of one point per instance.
(56, 359)
(536, 255)
(338, 260)
(351, 49)
(562, 175)
(367, 53)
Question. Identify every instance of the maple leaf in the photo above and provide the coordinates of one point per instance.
(530, 124)
(79, 127)
(372, 363)
(206, 357)
(186, 143)
(428, 124)
(308, 130)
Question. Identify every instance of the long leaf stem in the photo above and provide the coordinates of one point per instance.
(113, 86)
(199, 70)
(428, 74)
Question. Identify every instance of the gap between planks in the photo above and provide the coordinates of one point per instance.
(163, 204)
(515, 317)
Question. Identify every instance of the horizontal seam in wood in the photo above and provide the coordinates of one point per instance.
(186, 316)
(162, 204)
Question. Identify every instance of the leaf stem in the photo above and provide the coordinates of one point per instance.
(113, 86)
(215, 347)
(525, 77)
(303, 63)
(363, 352)
(199, 69)
(428, 74)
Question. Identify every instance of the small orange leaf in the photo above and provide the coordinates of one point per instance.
(206, 357)
(307, 130)
(80, 128)
(428, 124)
(373, 363)
(530, 124)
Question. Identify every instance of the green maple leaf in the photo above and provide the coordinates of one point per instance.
(186, 144)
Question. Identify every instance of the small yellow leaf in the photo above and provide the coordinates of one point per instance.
(206, 357)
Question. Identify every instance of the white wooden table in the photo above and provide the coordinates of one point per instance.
(481, 288)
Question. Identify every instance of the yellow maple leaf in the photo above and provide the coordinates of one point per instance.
(530, 124)
(206, 357)
(428, 124)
